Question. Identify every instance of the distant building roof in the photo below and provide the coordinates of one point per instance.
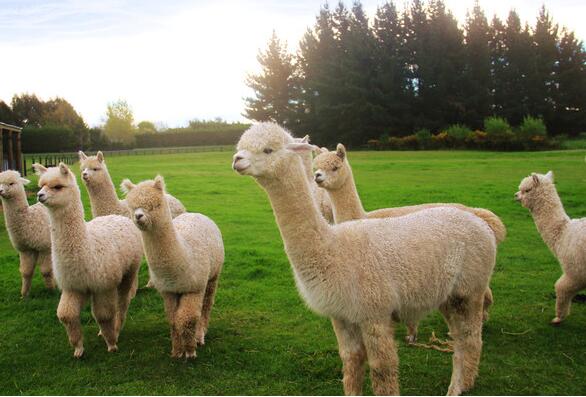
(10, 127)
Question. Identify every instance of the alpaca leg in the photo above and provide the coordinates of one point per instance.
(208, 303)
(412, 331)
(353, 355)
(464, 318)
(488, 301)
(382, 356)
(125, 295)
(27, 269)
(68, 312)
(187, 316)
(171, 301)
(565, 288)
(46, 269)
(105, 309)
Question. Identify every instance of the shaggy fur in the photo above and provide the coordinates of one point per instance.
(334, 174)
(185, 257)
(28, 229)
(363, 273)
(102, 193)
(565, 237)
(95, 260)
(322, 199)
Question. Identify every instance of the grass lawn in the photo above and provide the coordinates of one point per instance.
(262, 338)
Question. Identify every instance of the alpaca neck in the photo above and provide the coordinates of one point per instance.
(346, 202)
(161, 242)
(550, 218)
(69, 235)
(15, 207)
(303, 229)
(307, 160)
(103, 196)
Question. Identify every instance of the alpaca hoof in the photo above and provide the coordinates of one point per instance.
(556, 321)
(78, 352)
(454, 391)
(200, 340)
(176, 354)
(190, 355)
(411, 339)
(112, 349)
(149, 284)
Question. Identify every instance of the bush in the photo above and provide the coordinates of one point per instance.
(48, 139)
(409, 142)
(532, 127)
(424, 138)
(458, 132)
(497, 126)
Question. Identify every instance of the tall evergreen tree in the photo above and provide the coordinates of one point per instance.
(274, 86)
(498, 66)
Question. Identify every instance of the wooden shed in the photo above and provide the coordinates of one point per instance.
(10, 148)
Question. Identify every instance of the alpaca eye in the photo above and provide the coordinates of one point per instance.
(11, 184)
(58, 187)
(268, 150)
(96, 169)
(335, 168)
(528, 190)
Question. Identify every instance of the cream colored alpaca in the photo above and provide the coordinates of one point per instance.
(185, 257)
(102, 193)
(364, 273)
(334, 174)
(28, 229)
(565, 237)
(95, 260)
(321, 197)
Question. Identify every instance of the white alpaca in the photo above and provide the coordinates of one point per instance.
(565, 237)
(185, 257)
(95, 260)
(334, 175)
(28, 229)
(103, 198)
(364, 273)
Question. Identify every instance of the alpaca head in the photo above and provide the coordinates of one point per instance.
(93, 168)
(266, 150)
(11, 184)
(146, 201)
(58, 186)
(533, 188)
(331, 168)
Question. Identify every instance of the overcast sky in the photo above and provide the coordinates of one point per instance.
(172, 60)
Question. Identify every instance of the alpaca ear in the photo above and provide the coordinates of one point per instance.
(100, 156)
(82, 155)
(549, 176)
(535, 178)
(341, 151)
(305, 139)
(126, 186)
(64, 169)
(300, 147)
(159, 183)
(39, 169)
(24, 181)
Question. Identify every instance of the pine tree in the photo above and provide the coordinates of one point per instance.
(274, 86)
(498, 66)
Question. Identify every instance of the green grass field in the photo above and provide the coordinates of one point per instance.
(262, 338)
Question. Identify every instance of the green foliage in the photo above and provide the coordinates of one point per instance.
(119, 125)
(47, 139)
(532, 127)
(497, 126)
(146, 127)
(263, 340)
(458, 132)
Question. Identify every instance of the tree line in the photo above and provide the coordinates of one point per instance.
(355, 80)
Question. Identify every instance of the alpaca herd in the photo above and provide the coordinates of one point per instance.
(366, 271)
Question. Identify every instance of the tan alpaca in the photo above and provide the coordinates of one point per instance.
(320, 196)
(364, 273)
(95, 260)
(334, 174)
(565, 237)
(185, 257)
(28, 229)
(103, 198)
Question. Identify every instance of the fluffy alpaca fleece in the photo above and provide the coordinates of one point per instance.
(565, 237)
(185, 257)
(95, 260)
(103, 198)
(334, 174)
(364, 273)
(28, 229)
(320, 196)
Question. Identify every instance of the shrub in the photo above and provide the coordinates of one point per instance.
(497, 126)
(424, 138)
(532, 127)
(409, 142)
(458, 132)
(48, 139)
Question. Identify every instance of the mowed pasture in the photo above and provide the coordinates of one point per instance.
(262, 338)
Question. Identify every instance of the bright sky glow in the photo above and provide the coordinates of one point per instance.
(171, 60)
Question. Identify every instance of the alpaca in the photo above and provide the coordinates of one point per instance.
(321, 197)
(28, 230)
(185, 257)
(103, 198)
(565, 237)
(334, 174)
(95, 260)
(363, 274)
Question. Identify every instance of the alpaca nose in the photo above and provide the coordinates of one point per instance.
(41, 197)
(517, 196)
(319, 177)
(1, 192)
(139, 216)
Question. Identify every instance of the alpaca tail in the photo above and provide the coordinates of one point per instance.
(494, 222)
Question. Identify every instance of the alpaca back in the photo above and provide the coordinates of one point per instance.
(30, 232)
(570, 249)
